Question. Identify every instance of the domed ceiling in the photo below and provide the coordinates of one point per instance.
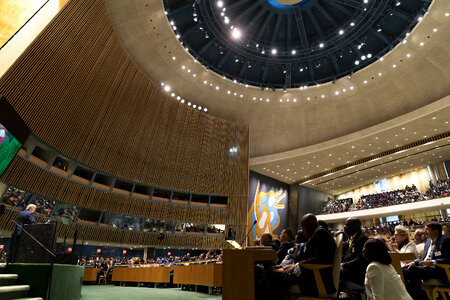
(280, 44)
(390, 116)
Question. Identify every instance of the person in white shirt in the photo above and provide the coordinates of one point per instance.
(382, 282)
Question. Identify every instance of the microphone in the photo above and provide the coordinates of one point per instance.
(251, 228)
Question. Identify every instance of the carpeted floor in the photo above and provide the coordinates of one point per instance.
(110, 292)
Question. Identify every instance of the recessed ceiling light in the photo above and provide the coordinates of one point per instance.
(167, 88)
(321, 45)
(274, 51)
(219, 3)
(341, 32)
(236, 33)
(293, 52)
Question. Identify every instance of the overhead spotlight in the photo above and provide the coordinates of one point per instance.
(356, 62)
(220, 3)
(274, 51)
(321, 45)
(341, 32)
(293, 52)
(236, 33)
(167, 88)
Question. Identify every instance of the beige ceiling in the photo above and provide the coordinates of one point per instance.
(319, 124)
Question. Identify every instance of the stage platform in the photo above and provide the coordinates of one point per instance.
(66, 279)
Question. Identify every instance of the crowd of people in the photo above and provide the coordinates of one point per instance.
(365, 263)
(407, 195)
(107, 264)
(337, 206)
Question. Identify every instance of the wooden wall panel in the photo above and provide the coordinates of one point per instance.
(80, 93)
(33, 178)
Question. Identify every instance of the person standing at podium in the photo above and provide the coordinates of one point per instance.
(25, 217)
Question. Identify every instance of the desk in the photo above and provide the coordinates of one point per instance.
(397, 258)
(90, 274)
(239, 271)
(205, 274)
(141, 274)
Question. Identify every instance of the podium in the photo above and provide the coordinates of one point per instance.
(28, 251)
(238, 280)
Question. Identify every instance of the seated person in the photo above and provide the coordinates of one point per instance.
(353, 267)
(266, 240)
(437, 251)
(287, 242)
(382, 281)
(420, 238)
(292, 253)
(401, 243)
(319, 249)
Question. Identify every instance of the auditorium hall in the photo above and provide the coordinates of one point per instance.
(224, 149)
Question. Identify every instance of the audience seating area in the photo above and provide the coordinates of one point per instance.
(407, 195)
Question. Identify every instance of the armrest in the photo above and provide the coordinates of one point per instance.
(315, 266)
(446, 267)
(319, 282)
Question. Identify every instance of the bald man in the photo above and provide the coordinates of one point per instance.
(319, 249)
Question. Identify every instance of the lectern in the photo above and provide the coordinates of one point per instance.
(238, 280)
(29, 251)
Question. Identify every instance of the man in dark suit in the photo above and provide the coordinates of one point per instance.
(319, 249)
(436, 251)
(353, 263)
(25, 217)
(287, 242)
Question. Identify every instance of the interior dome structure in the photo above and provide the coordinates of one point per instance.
(269, 44)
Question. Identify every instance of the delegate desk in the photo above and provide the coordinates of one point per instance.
(90, 274)
(197, 273)
(209, 274)
(141, 273)
(239, 271)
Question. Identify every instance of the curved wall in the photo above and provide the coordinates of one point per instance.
(80, 93)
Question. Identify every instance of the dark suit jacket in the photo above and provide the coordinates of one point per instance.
(25, 217)
(320, 249)
(440, 253)
(353, 264)
(283, 251)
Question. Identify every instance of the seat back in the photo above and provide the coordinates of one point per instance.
(337, 259)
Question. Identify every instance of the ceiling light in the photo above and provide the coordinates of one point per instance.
(274, 51)
(369, 55)
(351, 87)
(421, 44)
(293, 52)
(219, 3)
(356, 62)
(394, 66)
(381, 58)
(321, 45)
(236, 33)
(341, 32)
(352, 24)
(167, 88)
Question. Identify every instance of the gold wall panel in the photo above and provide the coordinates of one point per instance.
(79, 92)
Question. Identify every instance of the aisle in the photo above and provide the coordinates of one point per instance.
(110, 292)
